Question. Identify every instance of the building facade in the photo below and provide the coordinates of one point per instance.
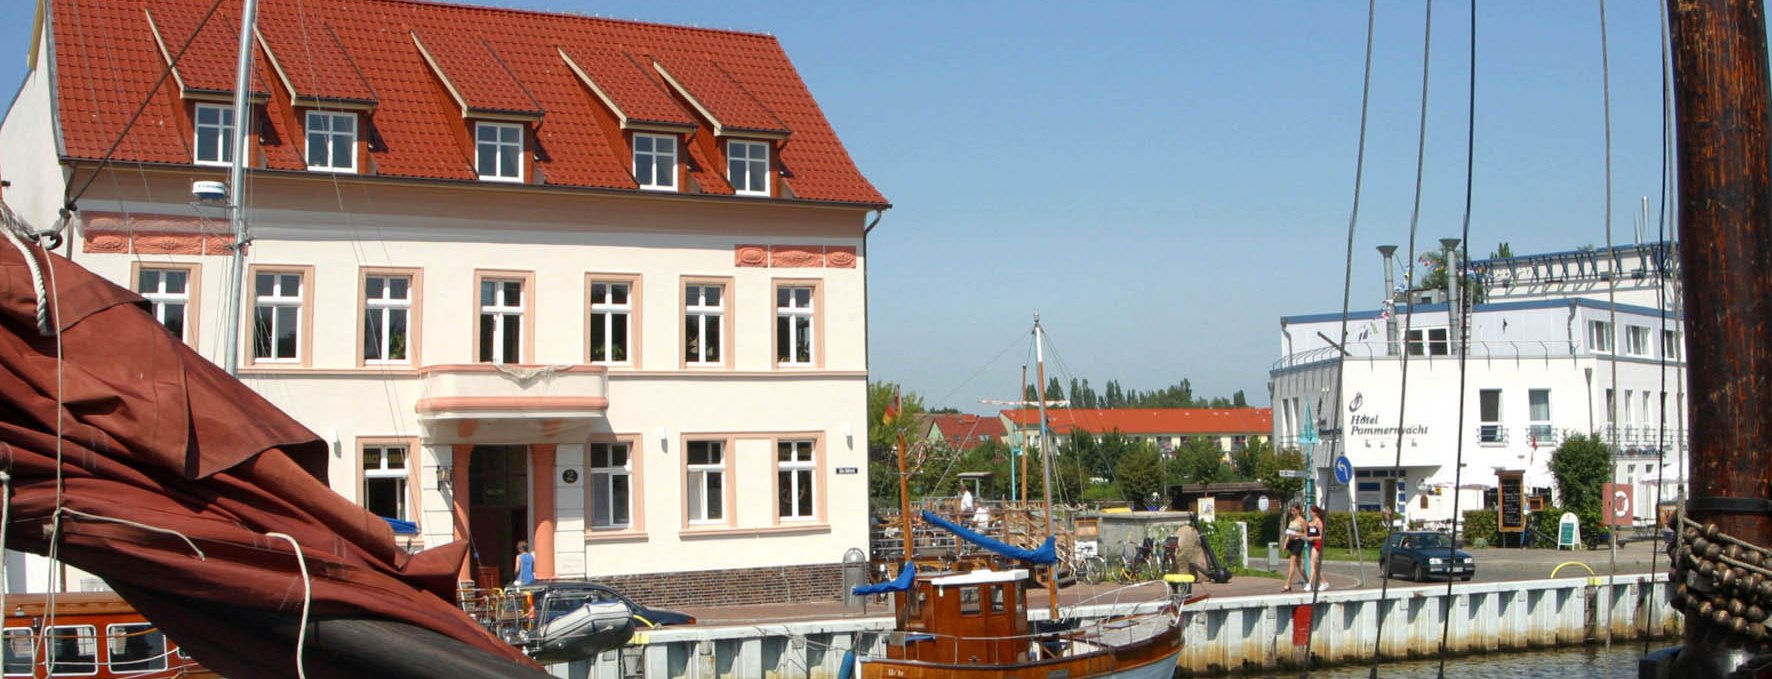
(1228, 429)
(1547, 357)
(593, 284)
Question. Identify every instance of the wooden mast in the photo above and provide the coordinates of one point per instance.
(1720, 103)
(904, 484)
(1024, 445)
(1045, 457)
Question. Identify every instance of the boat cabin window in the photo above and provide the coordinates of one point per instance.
(135, 647)
(21, 654)
(914, 608)
(73, 650)
(969, 601)
(997, 598)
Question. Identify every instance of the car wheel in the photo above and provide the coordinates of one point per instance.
(1465, 578)
(1420, 573)
(1384, 569)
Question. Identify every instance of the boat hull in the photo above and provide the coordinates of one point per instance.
(1155, 659)
(588, 630)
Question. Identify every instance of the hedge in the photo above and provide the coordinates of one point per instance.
(1482, 524)
(1264, 527)
(1336, 531)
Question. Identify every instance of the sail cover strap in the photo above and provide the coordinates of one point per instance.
(898, 584)
(1046, 554)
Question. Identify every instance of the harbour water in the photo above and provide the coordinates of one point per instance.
(1591, 662)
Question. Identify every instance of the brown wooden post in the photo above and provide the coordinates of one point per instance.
(1720, 100)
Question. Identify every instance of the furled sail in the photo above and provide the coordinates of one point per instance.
(1047, 553)
(899, 584)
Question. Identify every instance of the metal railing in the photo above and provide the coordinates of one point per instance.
(1485, 349)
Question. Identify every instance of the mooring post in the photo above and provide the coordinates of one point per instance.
(1720, 103)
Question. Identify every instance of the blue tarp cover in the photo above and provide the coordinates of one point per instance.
(401, 527)
(1046, 554)
(898, 584)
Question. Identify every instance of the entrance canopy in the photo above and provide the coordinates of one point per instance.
(493, 403)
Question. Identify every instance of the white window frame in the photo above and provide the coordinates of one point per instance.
(279, 299)
(1421, 341)
(501, 311)
(222, 127)
(796, 323)
(159, 296)
(1600, 336)
(1490, 430)
(1636, 340)
(1540, 428)
(669, 160)
(604, 477)
(507, 139)
(402, 476)
(386, 307)
(609, 315)
(747, 160)
(1671, 346)
(156, 662)
(698, 316)
(89, 636)
(323, 126)
(30, 649)
(699, 481)
(798, 460)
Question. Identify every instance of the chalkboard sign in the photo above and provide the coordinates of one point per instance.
(1568, 531)
(1513, 515)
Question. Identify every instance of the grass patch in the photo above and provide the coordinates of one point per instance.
(1345, 554)
(1253, 573)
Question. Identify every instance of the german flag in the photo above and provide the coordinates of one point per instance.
(891, 410)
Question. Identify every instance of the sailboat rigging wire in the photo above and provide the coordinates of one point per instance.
(1661, 251)
(1427, 43)
(69, 198)
(136, 524)
(1347, 282)
(1611, 294)
(1470, 153)
(307, 602)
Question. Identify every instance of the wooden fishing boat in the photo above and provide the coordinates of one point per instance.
(88, 634)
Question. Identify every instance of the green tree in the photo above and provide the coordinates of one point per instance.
(1268, 466)
(1580, 465)
(1198, 462)
(1244, 462)
(883, 434)
(1139, 474)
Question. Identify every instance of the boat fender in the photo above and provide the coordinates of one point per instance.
(847, 669)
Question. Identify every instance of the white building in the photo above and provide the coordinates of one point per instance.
(594, 284)
(1546, 358)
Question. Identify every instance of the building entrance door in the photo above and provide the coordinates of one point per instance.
(498, 507)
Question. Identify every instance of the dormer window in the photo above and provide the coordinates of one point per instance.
(747, 167)
(655, 162)
(332, 141)
(215, 134)
(498, 151)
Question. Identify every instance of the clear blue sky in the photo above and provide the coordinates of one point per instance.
(1162, 181)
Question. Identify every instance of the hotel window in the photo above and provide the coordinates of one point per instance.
(387, 315)
(215, 134)
(21, 653)
(276, 316)
(703, 315)
(1429, 342)
(1489, 428)
(747, 167)
(793, 324)
(498, 151)
(707, 473)
(1630, 408)
(73, 649)
(135, 647)
(1599, 336)
(1611, 406)
(794, 485)
(332, 141)
(169, 297)
(612, 313)
(611, 484)
(655, 162)
(501, 320)
(1539, 417)
(1636, 340)
(1671, 345)
(384, 481)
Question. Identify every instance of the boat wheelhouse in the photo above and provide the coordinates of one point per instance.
(95, 635)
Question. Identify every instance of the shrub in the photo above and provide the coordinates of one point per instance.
(1482, 524)
(1264, 527)
(1336, 531)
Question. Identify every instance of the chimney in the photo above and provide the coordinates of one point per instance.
(1390, 300)
(1454, 293)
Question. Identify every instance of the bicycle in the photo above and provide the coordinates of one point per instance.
(1089, 568)
(1137, 561)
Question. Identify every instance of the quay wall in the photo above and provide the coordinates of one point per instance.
(1222, 636)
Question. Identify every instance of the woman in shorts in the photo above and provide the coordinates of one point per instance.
(1293, 541)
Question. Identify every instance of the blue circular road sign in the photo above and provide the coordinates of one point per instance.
(1344, 470)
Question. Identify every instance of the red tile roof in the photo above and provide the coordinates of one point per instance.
(107, 59)
(207, 64)
(1153, 420)
(633, 91)
(963, 430)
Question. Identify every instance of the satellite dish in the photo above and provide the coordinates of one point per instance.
(209, 192)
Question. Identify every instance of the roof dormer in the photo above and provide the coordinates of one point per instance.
(202, 73)
(478, 78)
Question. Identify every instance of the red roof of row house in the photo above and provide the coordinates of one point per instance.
(1152, 420)
(963, 430)
(425, 72)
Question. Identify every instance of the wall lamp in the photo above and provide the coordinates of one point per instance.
(445, 477)
(664, 441)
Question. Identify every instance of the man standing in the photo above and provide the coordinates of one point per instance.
(525, 563)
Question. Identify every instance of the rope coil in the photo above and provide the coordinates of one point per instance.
(1722, 578)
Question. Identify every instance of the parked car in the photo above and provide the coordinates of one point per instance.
(566, 595)
(1419, 555)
